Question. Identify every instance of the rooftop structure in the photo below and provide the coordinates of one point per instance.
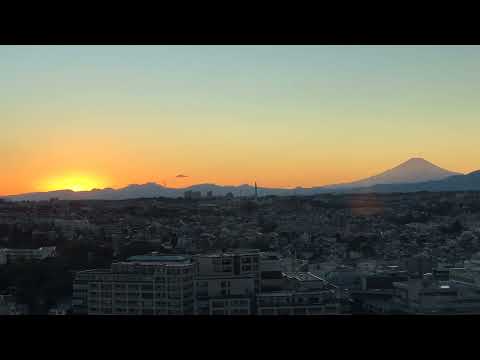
(160, 259)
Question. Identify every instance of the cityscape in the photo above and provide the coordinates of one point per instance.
(239, 180)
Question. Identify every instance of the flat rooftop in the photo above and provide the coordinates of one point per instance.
(230, 252)
(94, 271)
(159, 258)
(292, 293)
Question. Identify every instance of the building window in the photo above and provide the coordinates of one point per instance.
(267, 312)
(218, 304)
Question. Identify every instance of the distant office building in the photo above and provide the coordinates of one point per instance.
(196, 195)
(192, 195)
(143, 285)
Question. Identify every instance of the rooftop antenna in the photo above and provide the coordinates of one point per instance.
(294, 260)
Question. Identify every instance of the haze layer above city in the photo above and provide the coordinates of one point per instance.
(85, 117)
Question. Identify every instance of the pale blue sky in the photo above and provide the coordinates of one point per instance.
(347, 103)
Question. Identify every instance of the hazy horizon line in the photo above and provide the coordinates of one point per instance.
(174, 187)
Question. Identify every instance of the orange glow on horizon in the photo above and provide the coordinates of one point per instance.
(75, 182)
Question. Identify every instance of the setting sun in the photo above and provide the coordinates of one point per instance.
(73, 182)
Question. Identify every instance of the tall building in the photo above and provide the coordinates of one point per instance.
(192, 195)
(227, 282)
(142, 285)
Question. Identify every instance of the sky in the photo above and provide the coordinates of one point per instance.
(83, 117)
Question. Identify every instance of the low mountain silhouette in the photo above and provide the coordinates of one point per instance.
(148, 190)
(413, 175)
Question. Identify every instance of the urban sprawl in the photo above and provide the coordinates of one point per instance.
(415, 253)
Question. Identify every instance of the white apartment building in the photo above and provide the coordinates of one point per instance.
(8, 256)
(143, 285)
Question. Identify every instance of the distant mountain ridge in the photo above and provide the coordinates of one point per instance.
(468, 182)
(411, 171)
(415, 174)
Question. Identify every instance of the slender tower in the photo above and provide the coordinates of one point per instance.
(256, 191)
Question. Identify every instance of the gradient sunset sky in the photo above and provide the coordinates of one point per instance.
(107, 116)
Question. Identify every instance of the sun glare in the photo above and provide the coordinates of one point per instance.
(73, 182)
